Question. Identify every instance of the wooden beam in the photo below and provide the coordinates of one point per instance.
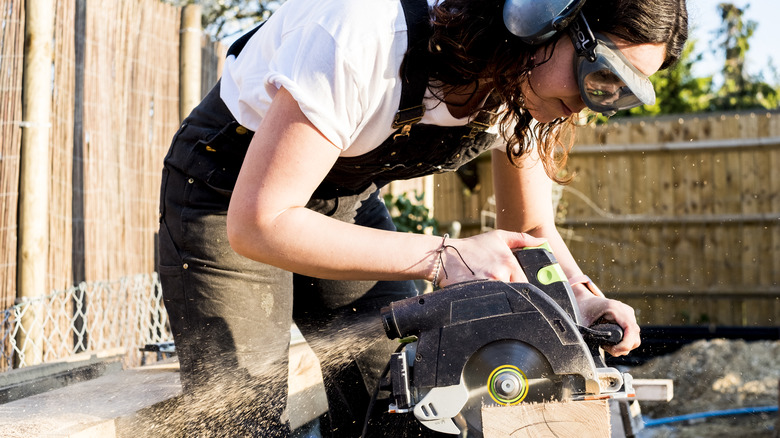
(583, 419)
(751, 292)
(647, 220)
(35, 171)
(678, 146)
(190, 60)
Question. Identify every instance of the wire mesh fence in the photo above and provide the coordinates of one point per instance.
(127, 313)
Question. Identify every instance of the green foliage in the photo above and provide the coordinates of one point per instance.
(411, 216)
(223, 18)
(679, 91)
(739, 90)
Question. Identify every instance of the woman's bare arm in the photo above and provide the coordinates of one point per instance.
(268, 222)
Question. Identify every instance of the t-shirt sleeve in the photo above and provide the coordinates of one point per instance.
(317, 73)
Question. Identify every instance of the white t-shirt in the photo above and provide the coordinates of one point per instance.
(339, 59)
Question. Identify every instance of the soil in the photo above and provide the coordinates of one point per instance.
(716, 375)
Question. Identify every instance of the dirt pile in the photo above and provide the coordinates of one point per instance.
(712, 376)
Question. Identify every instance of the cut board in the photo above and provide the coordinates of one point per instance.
(582, 419)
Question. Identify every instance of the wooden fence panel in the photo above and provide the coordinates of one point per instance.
(698, 243)
(677, 216)
(453, 201)
(213, 60)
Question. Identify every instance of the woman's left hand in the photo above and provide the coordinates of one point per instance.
(594, 308)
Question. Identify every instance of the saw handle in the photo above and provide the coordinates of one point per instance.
(606, 333)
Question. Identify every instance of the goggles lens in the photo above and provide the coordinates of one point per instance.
(608, 81)
(603, 88)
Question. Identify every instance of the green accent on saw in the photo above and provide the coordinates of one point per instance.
(507, 369)
(550, 274)
(545, 245)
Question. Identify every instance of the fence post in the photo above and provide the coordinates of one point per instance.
(78, 251)
(190, 59)
(429, 188)
(33, 244)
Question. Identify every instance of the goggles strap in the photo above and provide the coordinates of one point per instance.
(584, 41)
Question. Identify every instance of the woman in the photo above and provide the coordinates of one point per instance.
(270, 212)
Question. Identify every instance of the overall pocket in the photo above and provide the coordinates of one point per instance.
(217, 157)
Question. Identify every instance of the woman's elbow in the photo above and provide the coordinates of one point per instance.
(541, 229)
(243, 233)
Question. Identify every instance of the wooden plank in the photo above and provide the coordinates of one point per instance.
(307, 398)
(708, 264)
(598, 239)
(655, 205)
(642, 243)
(773, 235)
(750, 203)
(725, 183)
(579, 200)
(752, 200)
(653, 389)
(718, 234)
(584, 419)
(772, 141)
(617, 188)
(731, 251)
(697, 173)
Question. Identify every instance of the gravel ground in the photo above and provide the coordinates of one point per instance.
(712, 376)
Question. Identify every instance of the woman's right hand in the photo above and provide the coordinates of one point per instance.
(484, 256)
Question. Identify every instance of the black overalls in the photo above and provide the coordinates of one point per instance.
(231, 316)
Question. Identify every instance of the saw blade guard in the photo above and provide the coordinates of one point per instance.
(493, 343)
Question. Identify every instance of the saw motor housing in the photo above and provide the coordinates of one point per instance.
(462, 326)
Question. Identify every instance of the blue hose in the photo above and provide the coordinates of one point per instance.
(727, 412)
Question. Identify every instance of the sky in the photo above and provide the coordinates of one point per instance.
(765, 44)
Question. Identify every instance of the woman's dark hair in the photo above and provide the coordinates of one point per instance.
(470, 43)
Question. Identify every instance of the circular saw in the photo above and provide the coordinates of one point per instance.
(490, 343)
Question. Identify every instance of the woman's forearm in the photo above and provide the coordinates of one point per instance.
(306, 242)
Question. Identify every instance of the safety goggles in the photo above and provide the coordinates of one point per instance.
(608, 81)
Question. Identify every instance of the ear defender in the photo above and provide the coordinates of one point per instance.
(536, 21)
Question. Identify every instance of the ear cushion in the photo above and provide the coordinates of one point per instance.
(536, 21)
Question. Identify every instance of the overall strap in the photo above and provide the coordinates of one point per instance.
(484, 119)
(238, 45)
(414, 70)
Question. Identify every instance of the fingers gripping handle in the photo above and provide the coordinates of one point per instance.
(543, 271)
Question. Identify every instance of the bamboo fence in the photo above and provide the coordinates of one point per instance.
(677, 216)
(11, 56)
(115, 95)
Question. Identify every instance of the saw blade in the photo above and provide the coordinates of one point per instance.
(505, 372)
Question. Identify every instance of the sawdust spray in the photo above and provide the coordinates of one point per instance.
(239, 407)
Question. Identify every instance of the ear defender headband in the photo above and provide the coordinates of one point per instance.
(608, 81)
(536, 21)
